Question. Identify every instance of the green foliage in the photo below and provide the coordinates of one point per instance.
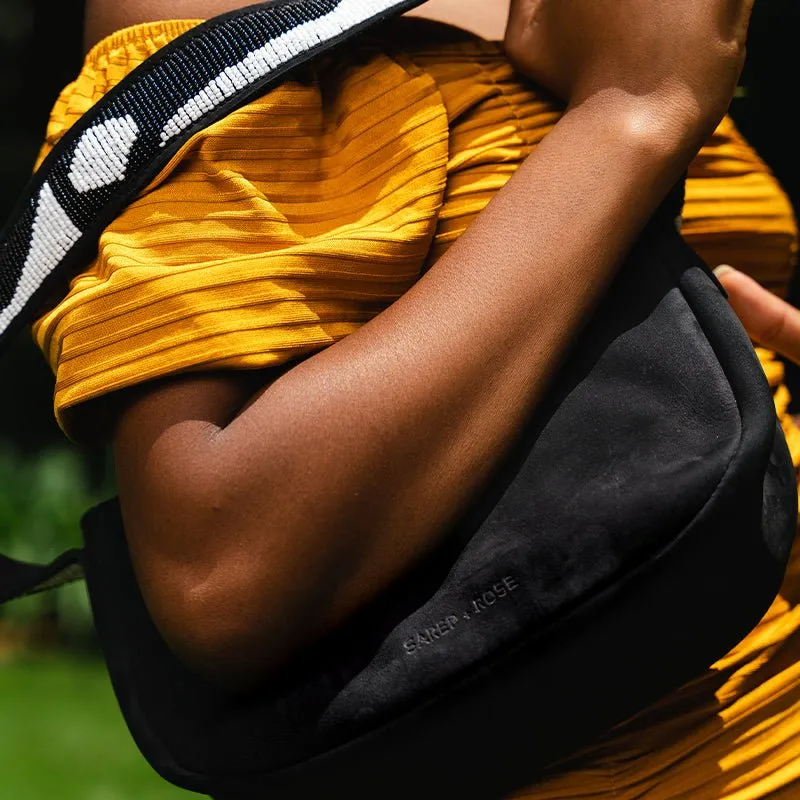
(42, 498)
(62, 736)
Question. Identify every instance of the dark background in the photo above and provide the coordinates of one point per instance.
(40, 52)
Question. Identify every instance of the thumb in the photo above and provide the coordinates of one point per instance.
(768, 320)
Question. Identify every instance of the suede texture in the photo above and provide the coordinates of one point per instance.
(652, 482)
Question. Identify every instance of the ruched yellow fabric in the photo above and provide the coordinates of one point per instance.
(284, 227)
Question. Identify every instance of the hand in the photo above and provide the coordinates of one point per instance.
(768, 320)
(679, 60)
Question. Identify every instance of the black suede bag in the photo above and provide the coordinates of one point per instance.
(637, 531)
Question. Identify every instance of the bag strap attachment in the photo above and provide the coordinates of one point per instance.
(126, 138)
(20, 579)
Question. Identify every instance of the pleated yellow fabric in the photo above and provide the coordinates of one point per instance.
(287, 225)
(735, 212)
(295, 220)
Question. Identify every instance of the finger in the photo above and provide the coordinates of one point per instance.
(768, 320)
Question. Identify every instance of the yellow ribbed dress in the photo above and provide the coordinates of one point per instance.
(284, 227)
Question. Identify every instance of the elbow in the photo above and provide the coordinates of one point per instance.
(205, 549)
(209, 576)
(213, 628)
(213, 605)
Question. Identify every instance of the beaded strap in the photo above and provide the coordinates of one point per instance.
(121, 144)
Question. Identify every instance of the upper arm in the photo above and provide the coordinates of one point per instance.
(161, 435)
(163, 443)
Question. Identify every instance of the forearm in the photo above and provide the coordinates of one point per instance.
(351, 466)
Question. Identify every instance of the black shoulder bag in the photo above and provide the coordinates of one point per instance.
(638, 530)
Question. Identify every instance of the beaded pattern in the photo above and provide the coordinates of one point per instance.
(114, 151)
(101, 157)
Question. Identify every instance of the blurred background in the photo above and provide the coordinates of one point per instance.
(61, 734)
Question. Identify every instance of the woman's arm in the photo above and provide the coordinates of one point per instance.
(253, 532)
(252, 535)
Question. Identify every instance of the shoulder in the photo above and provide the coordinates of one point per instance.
(233, 257)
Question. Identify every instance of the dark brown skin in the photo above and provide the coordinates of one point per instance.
(768, 320)
(486, 18)
(261, 516)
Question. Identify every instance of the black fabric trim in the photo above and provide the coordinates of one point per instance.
(20, 579)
